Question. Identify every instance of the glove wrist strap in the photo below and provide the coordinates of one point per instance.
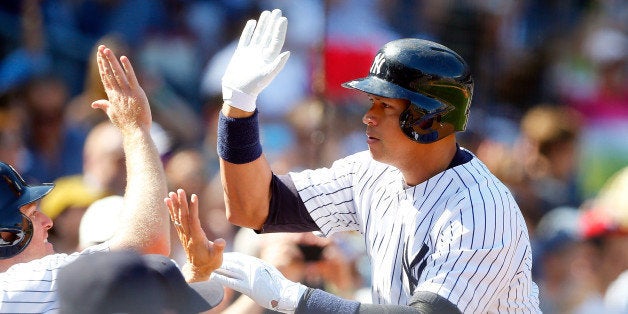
(238, 99)
(291, 295)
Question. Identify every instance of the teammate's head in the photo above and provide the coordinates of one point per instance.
(433, 78)
(16, 228)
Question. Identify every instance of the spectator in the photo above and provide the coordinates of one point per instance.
(11, 138)
(548, 151)
(55, 148)
(604, 225)
(563, 269)
(103, 175)
(101, 220)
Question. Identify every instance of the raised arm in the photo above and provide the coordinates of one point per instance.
(245, 173)
(144, 224)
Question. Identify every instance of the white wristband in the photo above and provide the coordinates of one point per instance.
(238, 99)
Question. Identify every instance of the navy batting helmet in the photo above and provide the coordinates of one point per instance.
(16, 229)
(435, 79)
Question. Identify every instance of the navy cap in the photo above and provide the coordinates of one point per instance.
(15, 193)
(127, 282)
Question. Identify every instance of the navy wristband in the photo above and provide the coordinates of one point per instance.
(238, 139)
(316, 301)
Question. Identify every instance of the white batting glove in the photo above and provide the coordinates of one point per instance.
(260, 281)
(256, 61)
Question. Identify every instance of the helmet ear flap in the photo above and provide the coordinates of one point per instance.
(423, 127)
(16, 237)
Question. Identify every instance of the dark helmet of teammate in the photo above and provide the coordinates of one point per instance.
(435, 79)
(16, 229)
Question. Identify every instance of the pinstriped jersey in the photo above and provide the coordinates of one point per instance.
(31, 287)
(459, 234)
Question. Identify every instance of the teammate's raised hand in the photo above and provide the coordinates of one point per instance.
(203, 256)
(127, 106)
(256, 60)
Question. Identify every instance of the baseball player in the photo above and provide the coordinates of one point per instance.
(28, 263)
(442, 233)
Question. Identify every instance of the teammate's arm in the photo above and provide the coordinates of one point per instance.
(145, 226)
(245, 173)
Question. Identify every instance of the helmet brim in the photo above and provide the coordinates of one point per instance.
(380, 87)
(33, 194)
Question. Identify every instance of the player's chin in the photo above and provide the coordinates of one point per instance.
(376, 153)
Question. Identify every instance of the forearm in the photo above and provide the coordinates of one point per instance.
(318, 301)
(146, 224)
(245, 173)
(247, 192)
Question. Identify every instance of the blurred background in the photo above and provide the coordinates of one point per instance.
(549, 115)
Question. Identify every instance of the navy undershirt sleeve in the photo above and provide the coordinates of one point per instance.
(286, 213)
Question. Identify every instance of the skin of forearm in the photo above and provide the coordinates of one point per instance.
(246, 186)
(147, 228)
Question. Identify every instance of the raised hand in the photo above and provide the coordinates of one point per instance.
(256, 60)
(203, 256)
(127, 106)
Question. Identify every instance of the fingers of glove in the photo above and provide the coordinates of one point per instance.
(277, 38)
(247, 33)
(261, 29)
(235, 274)
(233, 283)
(237, 257)
(273, 22)
(234, 262)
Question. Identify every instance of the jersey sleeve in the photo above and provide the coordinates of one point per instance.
(328, 194)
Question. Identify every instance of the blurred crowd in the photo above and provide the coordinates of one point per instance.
(549, 117)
